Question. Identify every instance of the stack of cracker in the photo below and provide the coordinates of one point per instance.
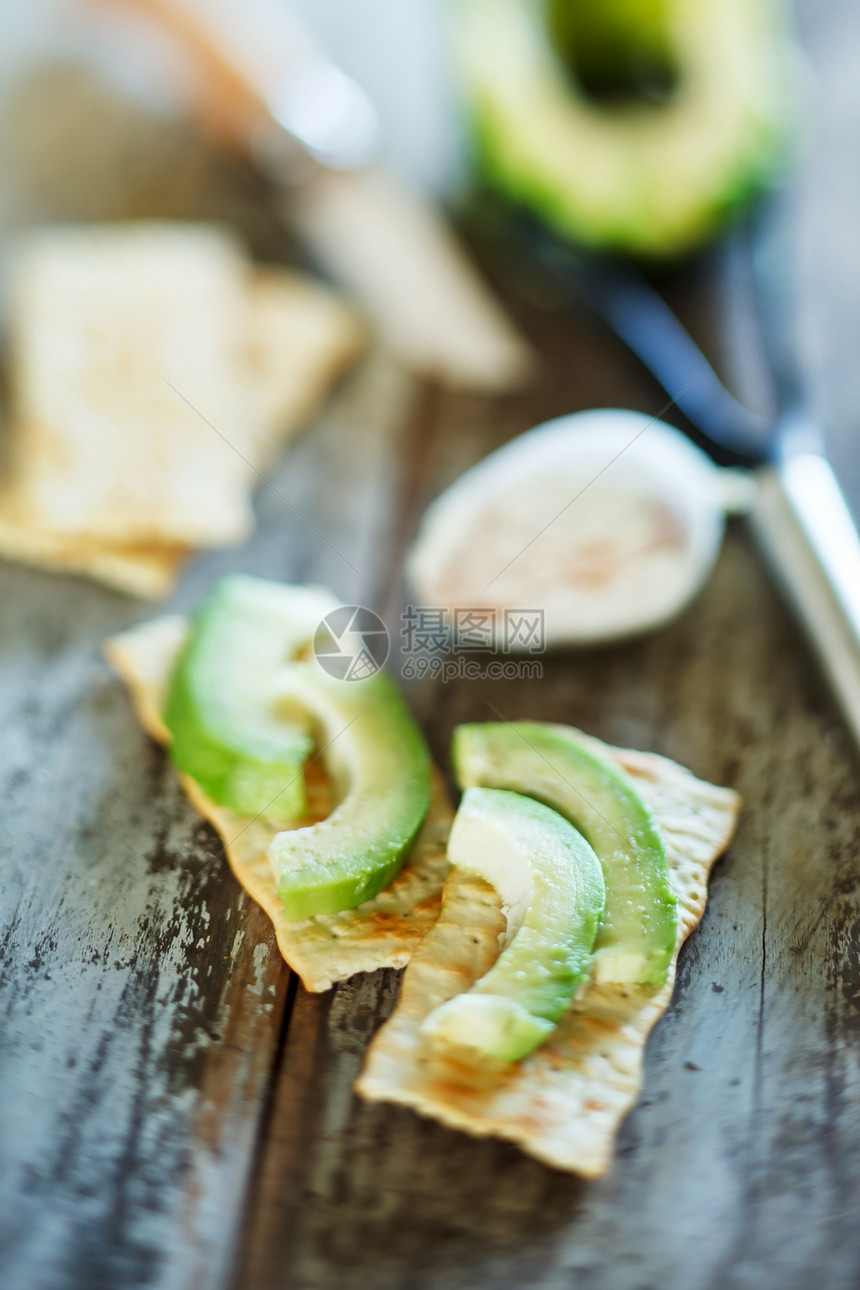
(154, 374)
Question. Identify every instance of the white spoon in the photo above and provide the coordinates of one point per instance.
(607, 521)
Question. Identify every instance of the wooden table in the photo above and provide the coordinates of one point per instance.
(174, 1112)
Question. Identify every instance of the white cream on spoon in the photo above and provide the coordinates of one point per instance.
(608, 521)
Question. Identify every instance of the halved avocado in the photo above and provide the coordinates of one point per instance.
(639, 925)
(551, 884)
(229, 730)
(380, 765)
(632, 125)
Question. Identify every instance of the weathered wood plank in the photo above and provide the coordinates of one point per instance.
(125, 1006)
(141, 1007)
(141, 1027)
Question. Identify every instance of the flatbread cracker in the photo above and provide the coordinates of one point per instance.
(148, 572)
(130, 397)
(383, 932)
(302, 338)
(297, 338)
(565, 1102)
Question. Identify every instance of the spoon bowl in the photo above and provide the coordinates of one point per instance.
(608, 522)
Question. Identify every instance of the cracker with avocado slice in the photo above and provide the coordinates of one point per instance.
(383, 932)
(565, 1102)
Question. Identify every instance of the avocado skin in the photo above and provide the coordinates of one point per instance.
(639, 925)
(654, 180)
(380, 762)
(251, 762)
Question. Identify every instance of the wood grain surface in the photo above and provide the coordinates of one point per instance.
(175, 1113)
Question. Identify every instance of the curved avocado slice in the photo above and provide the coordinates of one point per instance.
(551, 882)
(227, 730)
(652, 174)
(639, 926)
(380, 765)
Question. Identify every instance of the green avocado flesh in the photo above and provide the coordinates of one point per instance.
(552, 887)
(249, 703)
(632, 125)
(380, 765)
(226, 729)
(639, 925)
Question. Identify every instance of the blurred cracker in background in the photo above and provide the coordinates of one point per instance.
(154, 375)
(87, 137)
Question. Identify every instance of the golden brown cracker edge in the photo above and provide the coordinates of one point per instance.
(565, 1102)
(150, 573)
(383, 932)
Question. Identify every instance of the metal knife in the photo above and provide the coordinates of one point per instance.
(799, 515)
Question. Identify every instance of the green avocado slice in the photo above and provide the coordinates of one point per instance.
(644, 172)
(552, 885)
(639, 925)
(380, 765)
(228, 730)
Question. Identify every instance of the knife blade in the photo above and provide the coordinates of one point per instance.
(801, 518)
(809, 539)
(262, 84)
